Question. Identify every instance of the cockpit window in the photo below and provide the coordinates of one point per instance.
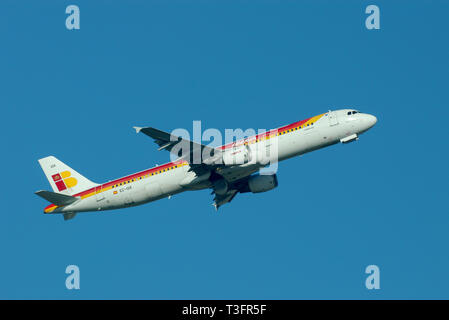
(354, 112)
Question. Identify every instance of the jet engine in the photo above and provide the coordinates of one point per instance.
(237, 156)
(262, 183)
(220, 187)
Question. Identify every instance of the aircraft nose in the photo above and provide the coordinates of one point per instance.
(371, 120)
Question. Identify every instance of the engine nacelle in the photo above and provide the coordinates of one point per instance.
(220, 187)
(237, 156)
(262, 183)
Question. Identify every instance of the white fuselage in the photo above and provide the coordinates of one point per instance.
(172, 178)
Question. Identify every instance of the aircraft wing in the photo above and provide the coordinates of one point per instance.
(174, 144)
(199, 155)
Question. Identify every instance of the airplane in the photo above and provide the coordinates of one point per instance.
(228, 170)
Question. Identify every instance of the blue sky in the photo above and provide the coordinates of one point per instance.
(230, 64)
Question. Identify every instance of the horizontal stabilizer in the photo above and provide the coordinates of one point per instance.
(56, 198)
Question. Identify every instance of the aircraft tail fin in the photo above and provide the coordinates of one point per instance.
(62, 178)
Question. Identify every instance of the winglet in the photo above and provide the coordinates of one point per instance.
(138, 129)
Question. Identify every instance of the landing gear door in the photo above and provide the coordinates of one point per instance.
(333, 120)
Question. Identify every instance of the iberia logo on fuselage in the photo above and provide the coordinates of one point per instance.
(63, 180)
